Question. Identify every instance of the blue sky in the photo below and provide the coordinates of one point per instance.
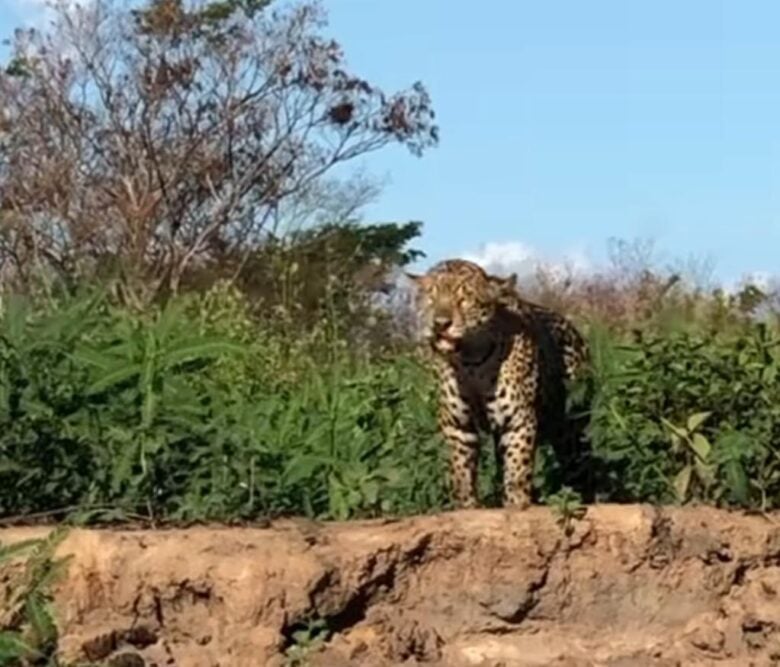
(565, 123)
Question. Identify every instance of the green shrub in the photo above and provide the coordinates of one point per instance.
(199, 410)
(193, 411)
(690, 415)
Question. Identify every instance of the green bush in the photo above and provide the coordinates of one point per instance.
(194, 412)
(689, 416)
(200, 410)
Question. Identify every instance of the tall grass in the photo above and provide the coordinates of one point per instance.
(202, 410)
(196, 411)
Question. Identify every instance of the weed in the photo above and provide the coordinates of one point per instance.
(306, 638)
(29, 632)
(567, 507)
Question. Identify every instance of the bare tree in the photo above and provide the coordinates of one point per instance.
(139, 141)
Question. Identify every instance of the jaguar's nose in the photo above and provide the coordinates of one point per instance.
(442, 323)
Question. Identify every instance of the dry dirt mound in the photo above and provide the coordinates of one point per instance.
(629, 586)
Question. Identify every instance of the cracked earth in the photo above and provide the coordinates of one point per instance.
(626, 586)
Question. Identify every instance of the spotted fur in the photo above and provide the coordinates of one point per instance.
(502, 365)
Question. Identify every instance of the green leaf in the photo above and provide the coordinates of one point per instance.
(71, 321)
(55, 572)
(676, 430)
(114, 377)
(302, 467)
(17, 310)
(705, 472)
(737, 480)
(701, 446)
(371, 492)
(7, 552)
(40, 618)
(127, 349)
(733, 444)
(172, 316)
(148, 388)
(90, 357)
(696, 420)
(199, 349)
(13, 647)
(682, 482)
(10, 466)
(122, 464)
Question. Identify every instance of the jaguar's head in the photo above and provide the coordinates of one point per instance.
(457, 299)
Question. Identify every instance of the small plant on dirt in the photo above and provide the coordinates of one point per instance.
(29, 632)
(567, 507)
(306, 638)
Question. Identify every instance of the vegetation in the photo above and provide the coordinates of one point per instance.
(202, 409)
(194, 410)
(693, 415)
(29, 632)
(138, 145)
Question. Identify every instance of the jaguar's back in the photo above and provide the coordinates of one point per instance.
(555, 329)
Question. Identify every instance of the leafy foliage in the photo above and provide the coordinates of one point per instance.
(691, 415)
(203, 409)
(304, 639)
(189, 412)
(29, 631)
(567, 507)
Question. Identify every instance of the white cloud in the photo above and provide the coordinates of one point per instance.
(498, 258)
(761, 279)
(503, 258)
(764, 280)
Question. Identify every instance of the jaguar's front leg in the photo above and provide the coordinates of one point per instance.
(514, 412)
(463, 443)
(518, 443)
(458, 427)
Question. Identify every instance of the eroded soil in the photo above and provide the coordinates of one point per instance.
(629, 586)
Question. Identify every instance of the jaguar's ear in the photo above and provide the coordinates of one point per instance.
(419, 279)
(510, 282)
(504, 286)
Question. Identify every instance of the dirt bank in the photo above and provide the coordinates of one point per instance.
(630, 586)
